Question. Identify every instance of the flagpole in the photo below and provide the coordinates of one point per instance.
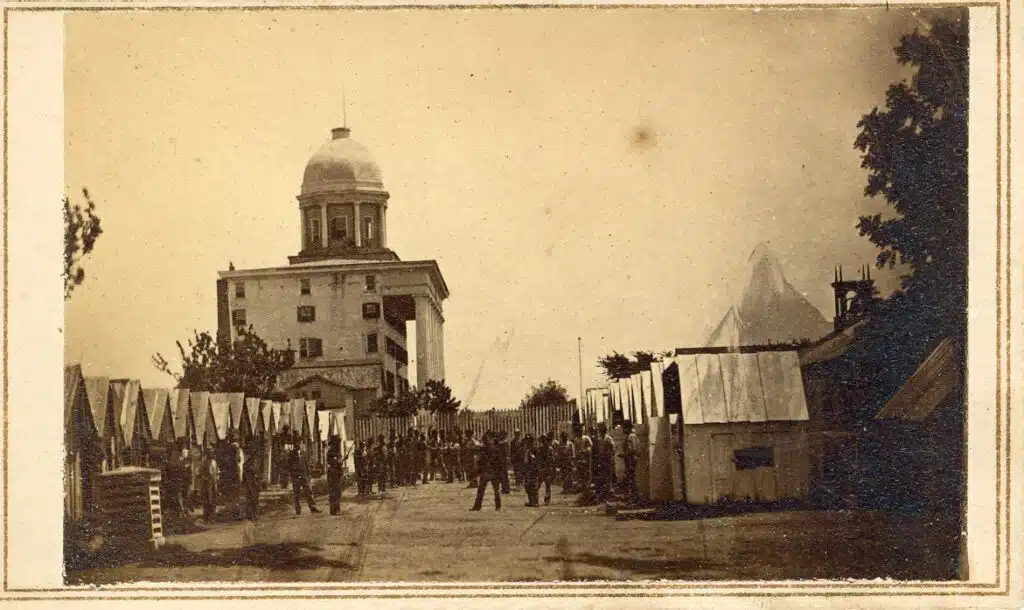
(579, 352)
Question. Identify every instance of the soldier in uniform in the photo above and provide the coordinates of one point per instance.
(530, 470)
(210, 478)
(584, 452)
(298, 468)
(566, 462)
(545, 466)
(380, 460)
(606, 461)
(469, 458)
(490, 472)
(360, 464)
(506, 452)
(516, 449)
(334, 469)
(251, 481)
(630, 455)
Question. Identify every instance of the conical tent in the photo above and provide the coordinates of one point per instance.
(184, 425)
(200, 403)
(161, 424)
(236, 404)
(220, 409)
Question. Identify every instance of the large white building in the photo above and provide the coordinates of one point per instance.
(343, 301)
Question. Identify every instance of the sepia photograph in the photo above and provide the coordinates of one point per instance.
(521, 295)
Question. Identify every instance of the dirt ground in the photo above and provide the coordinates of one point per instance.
(426, 533)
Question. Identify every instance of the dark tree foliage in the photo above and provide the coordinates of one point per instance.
(548, 393)
(81, 230)
(915, 151)
(620, 366)
(246, 365)
(437, 398)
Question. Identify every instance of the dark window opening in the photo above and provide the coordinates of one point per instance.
(371, 343)
(304, 287)
(754, 457)
(306, 313)
(238, 317)
(315, 394)
(371, 283)
(371, 311)
(310, 348)
(240, 290)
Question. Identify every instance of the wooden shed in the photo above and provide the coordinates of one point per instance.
(744, 425)
(83, 456)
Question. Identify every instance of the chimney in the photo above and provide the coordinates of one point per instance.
(339, 133)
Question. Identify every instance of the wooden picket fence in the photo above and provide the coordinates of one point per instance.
(534, 420)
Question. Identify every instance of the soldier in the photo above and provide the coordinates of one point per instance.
(456, 459)
(606, 461)
(469, 458)
(545, 466)
(506, 453)
(516, 449)
(530, 471)
(584, 450)
(566, 462)
(210, 482)
(251, 475)
(334, 469)
(360, 464)
(491, 464)
(422, 456)
(380, 460)
(391, 463)
(630, 455)
(298, 468)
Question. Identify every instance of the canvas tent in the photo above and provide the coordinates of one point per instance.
(184, 423)
(132, 421)
(83, 453)
(101, 406)
(219, 424)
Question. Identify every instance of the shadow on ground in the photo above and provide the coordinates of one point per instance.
(284, 556)
(685, 512)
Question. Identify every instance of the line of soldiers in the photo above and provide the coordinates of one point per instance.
(582, 462)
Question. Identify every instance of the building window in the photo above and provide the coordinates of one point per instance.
(315, 394)
(304, 286)
(310, 348)
(754, 457)
(389, 383)
(368, 235)
(240, 290)
(238, 317)
(306, 313)
(371, 343)
(371, 283)
(339, 228)
(371, 311)
(313, 230)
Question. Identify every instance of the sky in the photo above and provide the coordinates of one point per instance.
(592, 174)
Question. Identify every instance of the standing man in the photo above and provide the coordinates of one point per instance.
(490, 472)
(566, 462)
(334, 470)
(298, 468)
(506, 455)
(380, 459)
(392, 460)
(584, 454)
(517, 457)
(630, 455)
(360, 468)
(210, 478)
(469, 459)
(530, 471)
(545, 467)
(251, 475)
(606, 460)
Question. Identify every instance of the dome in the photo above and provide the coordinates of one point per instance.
(341, 165)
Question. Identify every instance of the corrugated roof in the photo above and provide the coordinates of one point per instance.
(221, 409)
(98, 389)
(180, 410)
(741, 387)
(200, 405)
(156, 401)
(926, 388)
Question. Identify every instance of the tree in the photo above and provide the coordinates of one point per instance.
(548, 393)
(402, 405)
(621, 366)
(245, 365)
(915, 152)
(437, 398)
(81, 230)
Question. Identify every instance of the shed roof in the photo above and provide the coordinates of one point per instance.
(236, 402)
(200, 404)
(926, 388)
(220, 406)
(98, 391)
(156, 403)
(180, 410)
(732, 387)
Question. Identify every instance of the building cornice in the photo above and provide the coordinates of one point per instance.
(342, 266)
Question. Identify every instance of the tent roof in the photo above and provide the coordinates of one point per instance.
(298, 416)
(156, 408)
(253, 415)
(200, 404)
(221, 409)
(180, 409)
(926, 388)
(127, 396)
(267, 412)
(733, 387)
(98, 389)
(311, 419)
(72, 381)
(236, 402)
